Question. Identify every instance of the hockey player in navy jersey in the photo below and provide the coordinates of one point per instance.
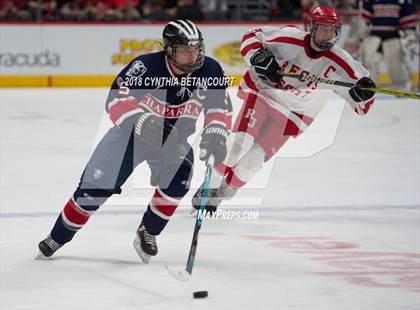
(388, 33)
(154, 104)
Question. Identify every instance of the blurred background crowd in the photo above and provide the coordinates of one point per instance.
(162, 10)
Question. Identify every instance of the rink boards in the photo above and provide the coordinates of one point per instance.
(77, 55)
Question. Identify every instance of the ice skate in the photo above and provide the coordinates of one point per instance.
(212, 200)
(145, 244)
(215, 197)
(47, 248)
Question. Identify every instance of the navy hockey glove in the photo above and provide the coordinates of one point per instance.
(360, 95)
(266, 65)
(213, 142)
(155, 131)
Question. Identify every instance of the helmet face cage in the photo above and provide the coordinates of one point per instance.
(322, 45)
(325, 16)
(183, 33)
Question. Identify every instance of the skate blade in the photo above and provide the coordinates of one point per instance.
(144, 257)
(181, 275)
(194, 212)
(41, 256)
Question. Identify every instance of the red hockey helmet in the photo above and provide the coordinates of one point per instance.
(325, 27)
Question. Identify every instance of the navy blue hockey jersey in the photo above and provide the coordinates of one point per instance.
(388, 16)
(149, 84)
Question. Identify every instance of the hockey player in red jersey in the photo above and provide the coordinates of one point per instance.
(152, 123)
(276, 108)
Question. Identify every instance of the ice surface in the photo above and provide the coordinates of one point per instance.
(336, 230)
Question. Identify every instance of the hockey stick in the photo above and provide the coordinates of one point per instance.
(319, 79)
(184, 275)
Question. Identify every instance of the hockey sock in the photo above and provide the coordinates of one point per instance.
(76, 213)
(159, 211)
(166, 198)
(247, 167)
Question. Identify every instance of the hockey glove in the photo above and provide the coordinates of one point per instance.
(213, 142)
(155, 131)
(360, 95)
(265, 65)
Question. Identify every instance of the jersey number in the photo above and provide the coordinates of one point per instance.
(250, 114)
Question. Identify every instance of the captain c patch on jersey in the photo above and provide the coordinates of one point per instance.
(136, 69)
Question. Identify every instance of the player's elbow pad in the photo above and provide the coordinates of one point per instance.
(122, 109)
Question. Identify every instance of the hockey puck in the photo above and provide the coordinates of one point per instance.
(200, 294)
